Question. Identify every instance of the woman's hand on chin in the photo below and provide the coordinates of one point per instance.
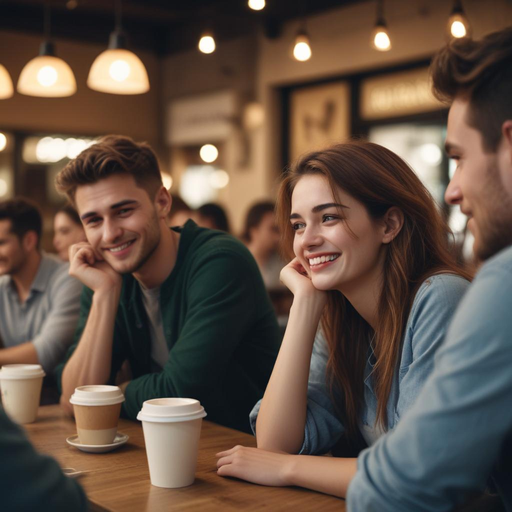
(295, 277)
(256, 466)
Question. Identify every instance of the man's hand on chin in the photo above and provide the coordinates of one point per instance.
(89, 268)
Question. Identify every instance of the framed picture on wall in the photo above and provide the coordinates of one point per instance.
(319, 116)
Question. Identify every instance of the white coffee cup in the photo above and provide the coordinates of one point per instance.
(97, 411)
(21, 390)
(172, 427)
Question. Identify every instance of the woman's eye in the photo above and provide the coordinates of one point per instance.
(297, 226)
(328, 218)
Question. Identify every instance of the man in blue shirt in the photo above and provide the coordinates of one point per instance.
(457, 438)
(39, 300)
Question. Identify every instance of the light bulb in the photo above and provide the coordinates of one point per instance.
(458, 28)
(219, 179)
(119, 70)
(458, 23)
(380, 38)
(3, 141)
(302, 50)
(47, 76)
(209, 153)
(207, 44)
(381, 41)
(256, 5)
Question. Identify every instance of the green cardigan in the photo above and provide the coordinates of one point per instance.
(219, 325)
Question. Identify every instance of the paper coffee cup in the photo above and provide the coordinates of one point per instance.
(172, 427)
(21, 390)
(97, 411)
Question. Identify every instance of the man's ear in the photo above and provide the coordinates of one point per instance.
(506, 131)
(393, 221)
(163, 202)
(29, 241)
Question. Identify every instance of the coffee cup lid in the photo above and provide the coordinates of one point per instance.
(97, 395)
(171, 410)
(21, 371)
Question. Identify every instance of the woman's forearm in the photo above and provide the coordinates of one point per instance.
(329, 475)
(282, 416)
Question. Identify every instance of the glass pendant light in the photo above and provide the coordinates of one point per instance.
(302, 48)
(207, 43)
(47, 75)
(6, 88)
(380, 36)
(458, 24)
(118, 70)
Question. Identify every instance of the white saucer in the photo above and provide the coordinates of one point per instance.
(119, 440)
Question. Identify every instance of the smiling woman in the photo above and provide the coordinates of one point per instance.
(374, 288)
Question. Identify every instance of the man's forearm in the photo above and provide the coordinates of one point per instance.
(92, 359)
(21, 354)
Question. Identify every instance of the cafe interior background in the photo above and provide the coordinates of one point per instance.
(250, 98)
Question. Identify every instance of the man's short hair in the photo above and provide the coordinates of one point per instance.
(112, 154)
(24, 216)
(480, 71)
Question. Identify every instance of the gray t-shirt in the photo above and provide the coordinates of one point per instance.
(159, 349)
(48, 317)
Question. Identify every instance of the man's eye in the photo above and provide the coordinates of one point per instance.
(93, 220)
(124, 211)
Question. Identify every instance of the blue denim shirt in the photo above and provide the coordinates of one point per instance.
(459, 432)
(431, 311)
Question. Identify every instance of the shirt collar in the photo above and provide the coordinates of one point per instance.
(41, 280)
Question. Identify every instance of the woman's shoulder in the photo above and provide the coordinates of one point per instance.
(442, 286)
(439, 294)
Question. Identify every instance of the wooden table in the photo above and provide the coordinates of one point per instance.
(119, 480)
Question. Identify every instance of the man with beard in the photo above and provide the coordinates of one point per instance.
(39, 301)
(457, 438)
(185, 307)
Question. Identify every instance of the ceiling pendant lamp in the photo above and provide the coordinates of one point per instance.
(46, 75)
(458, 24)
(207, 43)
(380, 36)
(302, 47)
(118, 70)
(6, 88)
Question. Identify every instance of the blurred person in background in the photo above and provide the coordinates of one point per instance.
(39, 300)
(212, 216)
(68, 230)
(261, 236)
(180, 212)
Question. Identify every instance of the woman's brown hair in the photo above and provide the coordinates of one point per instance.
(378, 179)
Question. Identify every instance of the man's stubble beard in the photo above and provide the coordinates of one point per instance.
(496, 232)
(152, 242)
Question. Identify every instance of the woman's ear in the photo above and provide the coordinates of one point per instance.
(393, 222)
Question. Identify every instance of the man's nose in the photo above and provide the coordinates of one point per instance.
(453, 193)
(111, 231)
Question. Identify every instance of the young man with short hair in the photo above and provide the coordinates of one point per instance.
(39, 301)
(186, 307)
(457, 438)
